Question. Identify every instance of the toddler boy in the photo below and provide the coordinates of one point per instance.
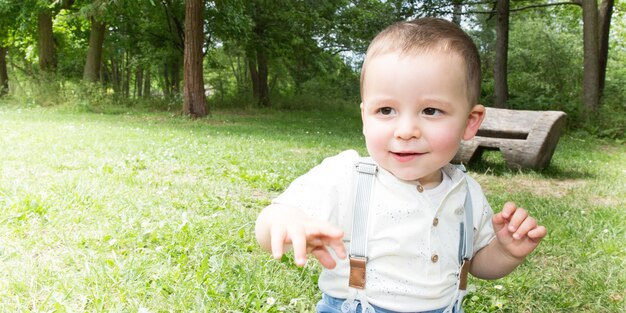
(420, 87)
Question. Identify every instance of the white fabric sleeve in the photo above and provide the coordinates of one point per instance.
(483, 213)
(322, 191)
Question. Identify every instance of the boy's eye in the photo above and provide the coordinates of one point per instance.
(386, 111)
(431, 111)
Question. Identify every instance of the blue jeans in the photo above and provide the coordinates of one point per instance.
(329, 304)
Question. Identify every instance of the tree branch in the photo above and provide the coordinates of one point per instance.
(533, 6)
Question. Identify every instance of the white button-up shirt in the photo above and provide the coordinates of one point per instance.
(412, 244)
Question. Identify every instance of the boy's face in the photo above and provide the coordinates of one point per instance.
(415, 113)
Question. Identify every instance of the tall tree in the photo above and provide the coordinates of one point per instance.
(596, 27)
(591, 63)
(4, 76)
(194, 102)
(457, 11)
(501, 85)
(257, 52)
(91, 72)
(45, 40)
(604, 25)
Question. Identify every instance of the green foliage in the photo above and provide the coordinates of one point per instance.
(544, 66)
(313, 47)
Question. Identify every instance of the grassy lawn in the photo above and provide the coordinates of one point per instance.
(148, 212)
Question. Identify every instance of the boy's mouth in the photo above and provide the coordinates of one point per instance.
(405, 156)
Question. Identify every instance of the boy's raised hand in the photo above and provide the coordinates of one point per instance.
(307, 236)
(279, 226)
(516, 231)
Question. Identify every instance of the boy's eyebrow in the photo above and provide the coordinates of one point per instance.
(423, 100)
(438, 100)
(379, 98)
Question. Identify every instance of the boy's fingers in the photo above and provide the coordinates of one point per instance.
(527, 225)
(333, 237)
(298, 241)
(498, 222)
(538, 233)
(508, 210)
(326, 235)
(500, 219)
(325, 230)
(277, 235)
(324, 257)
(339, 248)
(517, 219)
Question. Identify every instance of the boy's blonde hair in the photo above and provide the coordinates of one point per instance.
(429, 35)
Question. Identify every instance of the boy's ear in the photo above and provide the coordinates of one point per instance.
(475, 118)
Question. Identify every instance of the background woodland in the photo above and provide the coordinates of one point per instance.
(194, 56)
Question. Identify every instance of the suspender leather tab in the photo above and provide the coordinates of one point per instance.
(357, 272)
(463, 275)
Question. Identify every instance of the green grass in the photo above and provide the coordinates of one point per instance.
(150, 212)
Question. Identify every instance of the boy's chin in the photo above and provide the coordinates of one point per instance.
(403, 175)
(430, 179)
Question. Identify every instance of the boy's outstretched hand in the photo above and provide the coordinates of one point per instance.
(308, 237)
(516, 231)
(278, 227)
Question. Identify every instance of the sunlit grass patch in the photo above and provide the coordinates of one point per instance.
(151, 212)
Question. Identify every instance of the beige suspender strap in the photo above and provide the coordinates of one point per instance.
(466, 249)
(366, 172)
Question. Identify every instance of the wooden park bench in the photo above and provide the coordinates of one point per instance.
(527, 139)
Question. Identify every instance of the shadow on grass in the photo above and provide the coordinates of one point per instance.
(493, 163)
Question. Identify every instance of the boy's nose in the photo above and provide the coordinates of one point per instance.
(406, 129)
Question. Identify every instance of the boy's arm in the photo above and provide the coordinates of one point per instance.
(279, 227)
(517, 235)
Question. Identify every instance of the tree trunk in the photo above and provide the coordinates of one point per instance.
(457, 11)
(604, 26)
(591, 64)
(260, 50)
(147, 84)
(194, 102)
(47, 58)
(4, 76)
(166, 86)
(138, 82)
(174, 72)
(91, 72)
(264, 92)
(501, 84)
(254, 77)
(115, 75)
(127, 75)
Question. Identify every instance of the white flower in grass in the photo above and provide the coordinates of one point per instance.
(143, 310)
(270, 301)
(498, 287)
(499, 304)
(293, 302)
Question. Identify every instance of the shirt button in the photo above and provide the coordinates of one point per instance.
(434, 258)
(420, 188)
(435, 222)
